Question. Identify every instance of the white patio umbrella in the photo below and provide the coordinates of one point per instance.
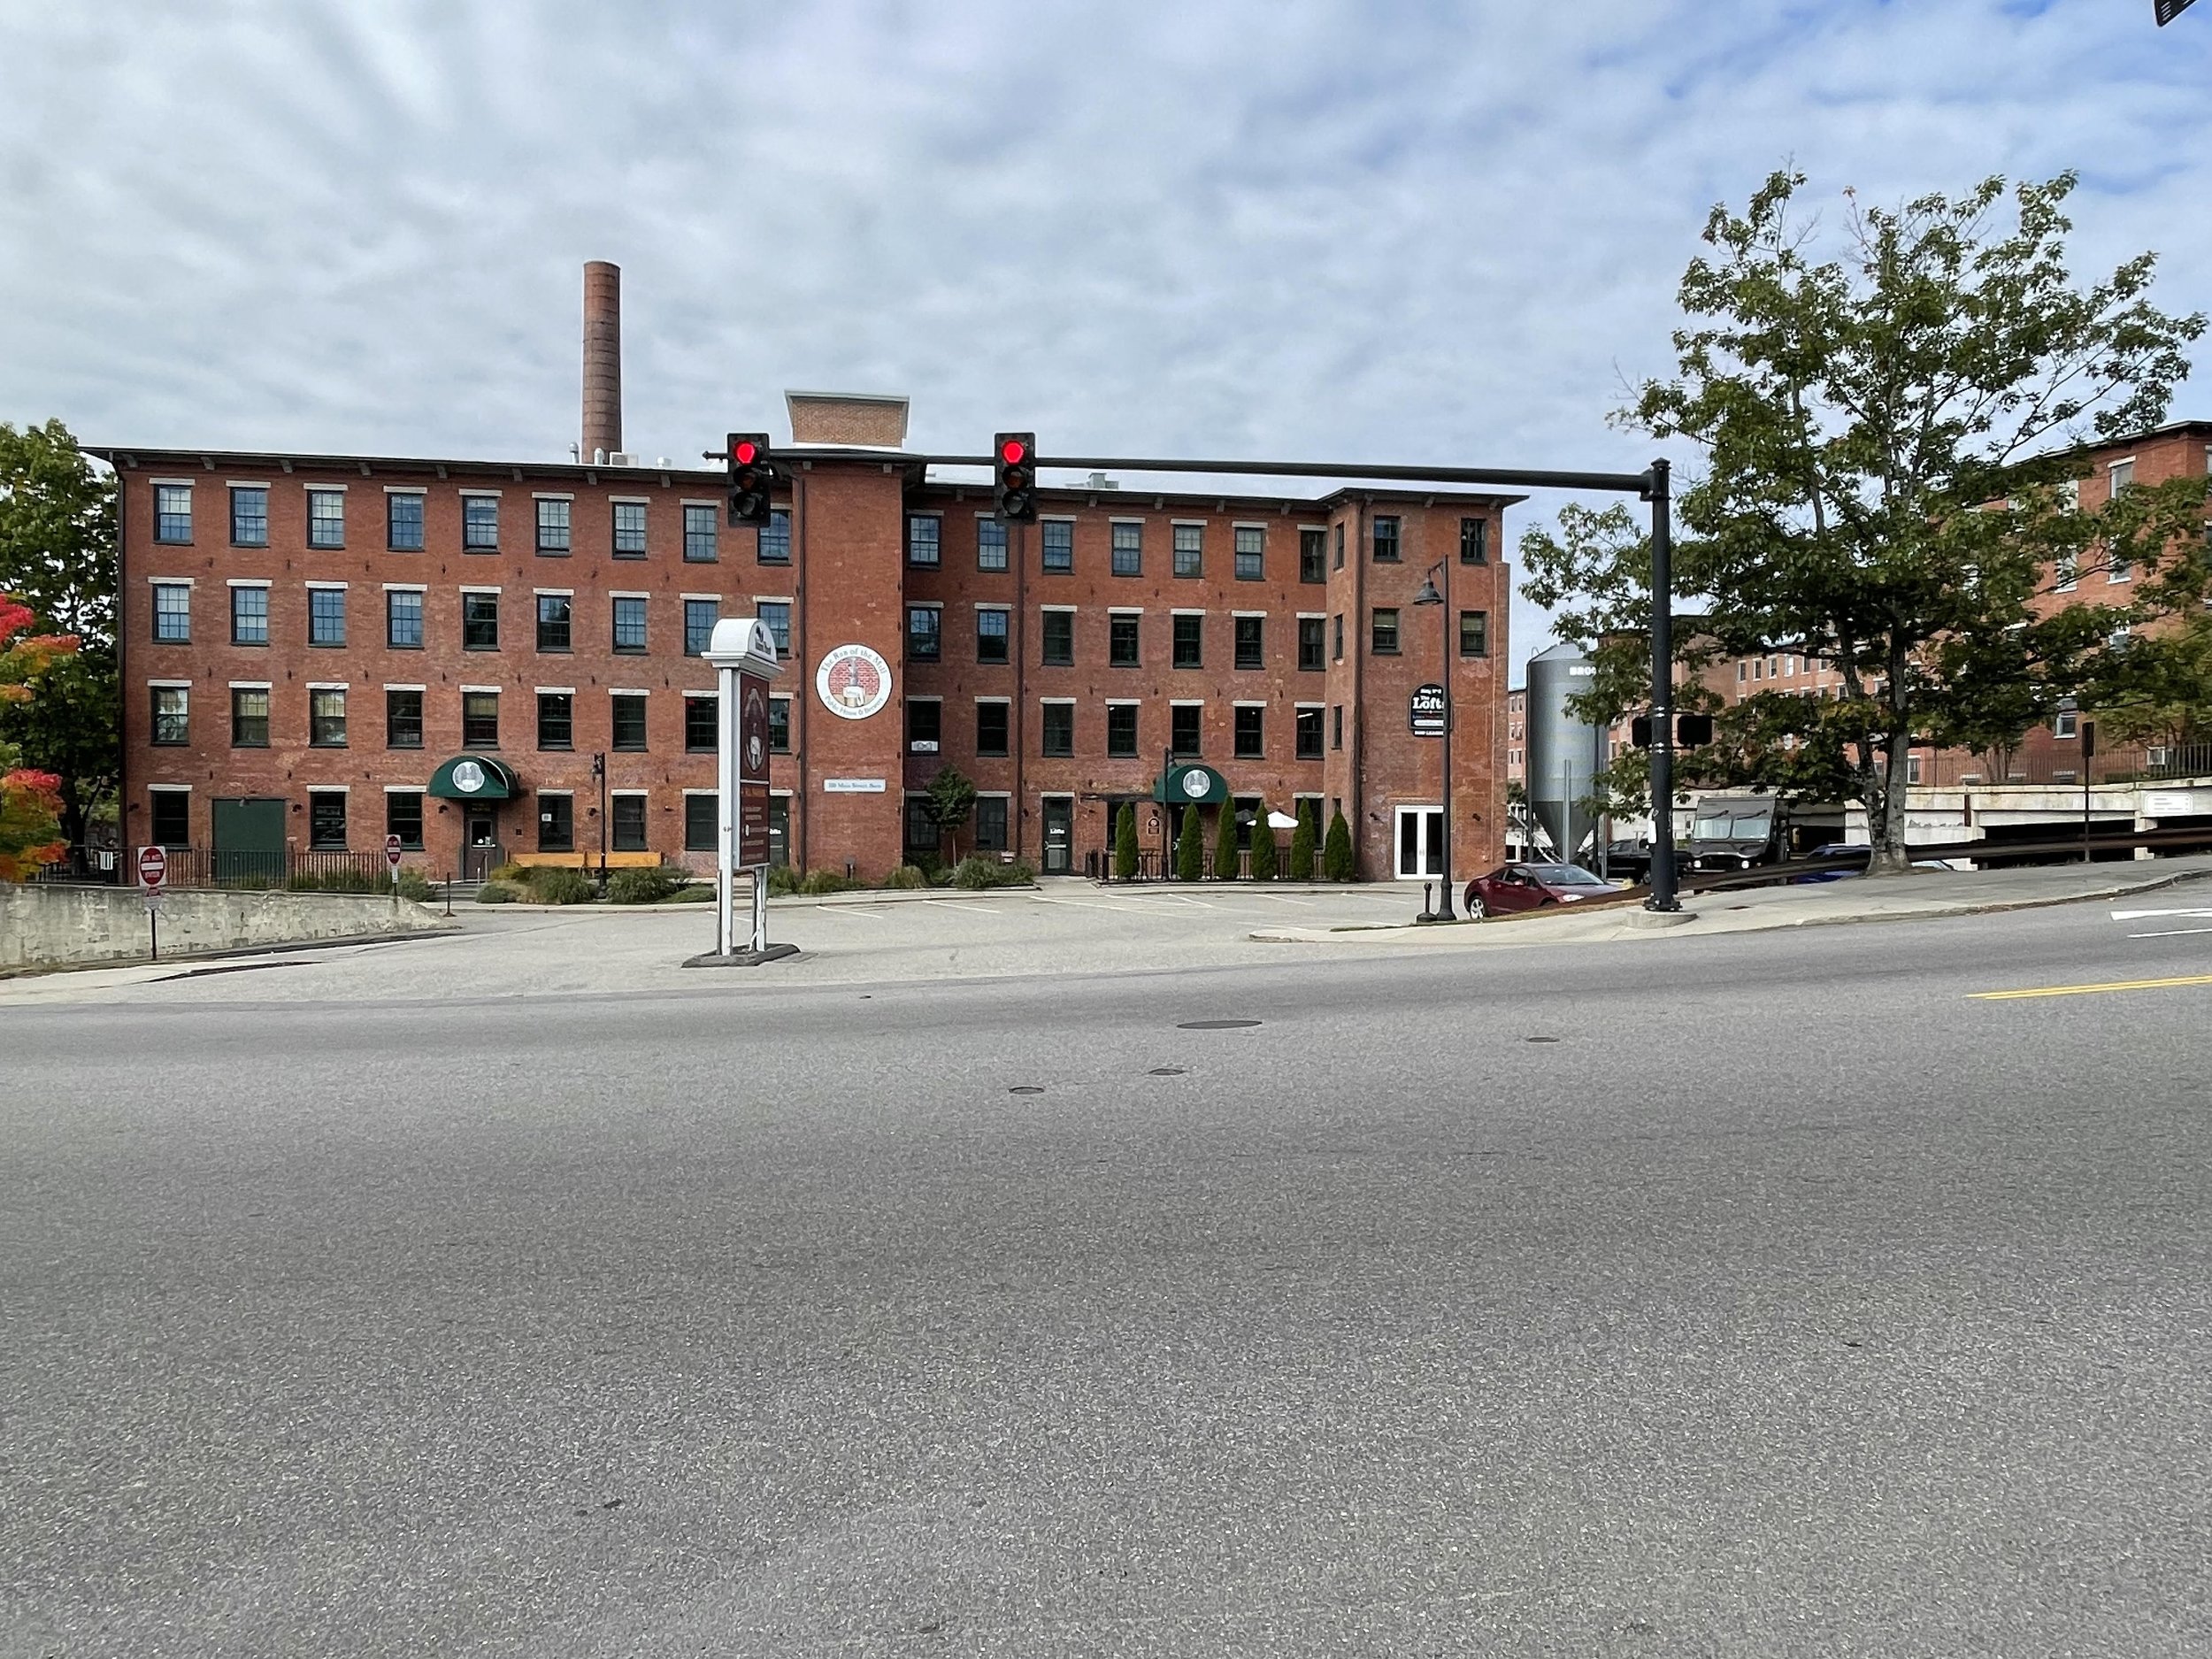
(1280, 820)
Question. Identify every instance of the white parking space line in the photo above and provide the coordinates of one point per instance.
(1093, 905)
(2137, 916)
(846, 912)
(2171, 932)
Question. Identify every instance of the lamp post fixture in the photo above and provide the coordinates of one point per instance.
(599, 771)
(1429, 595)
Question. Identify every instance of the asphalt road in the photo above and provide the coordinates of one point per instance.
(1760, 1295)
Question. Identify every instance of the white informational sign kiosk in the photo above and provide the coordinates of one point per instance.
(744, 653)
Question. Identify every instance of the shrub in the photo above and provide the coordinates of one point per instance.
(980, 871)
(415, 886)
(906, 879)
(782, 881)
(508, 875)
(1125, 843)
(1225, 843)
(1190, 848)
(1302, 844)
(494, 893)
(1020, 873)
(551, 885)
(1336, 854)
(1263, 846)
(819, 882)
(695, 893)
(649, 885)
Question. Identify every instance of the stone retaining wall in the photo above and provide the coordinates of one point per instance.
(57, 926)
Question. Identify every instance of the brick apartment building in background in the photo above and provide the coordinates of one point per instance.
(321, 650)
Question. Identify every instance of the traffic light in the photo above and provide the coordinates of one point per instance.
(1693, 731)
(1014, 482)
(1640, 730)
(752, 474)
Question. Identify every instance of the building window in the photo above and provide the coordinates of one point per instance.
(1312, 644)
(990, 545)
(1182, 729)
(922, 532)
(1339, 547)
(699, 619)
(325, 615)
(479, 622)
(990, 824)
(480, 524)
(249, 616)
(325, 517)
(1385, 539)
(402, 719)
(172, 716)
(1128, 549)
(629, 625)
(1058, 728)
(172, 817)
(249, 717)
(702, 822)
(2068, 572)
(325, 820)
(1059, 546)
(628, 724)
(2062, 723)
(1337, 649)
(774, 540)
(249, 517)
(556, 824)
(1190, 550)
(921, 632)
(990, 637)
(327, 718)
(1250, 733)
(1385, 630)
(1312, 556)
(2118, 569)
(777, 615)
(1251, 552)
(924, 725)
(1250, 652)
(556, 719)
(629, 529)
(701, 541)
(1309, 734)
(990, 728)
(1912, 770)
(2122, 476)
(402, 818)
(479, 720)
(173, 513)
(173, 613)
(403, 620)
(1121, 731)
(1190, 641)
(779, 725)
(626, 823)
(1474, 540)
(921, 832)
(1474, 634)
(1059, 637)
(1336, 726)
(700, 724)
(403, 523)
(1121, 640)
(553, 527)
(556, 613)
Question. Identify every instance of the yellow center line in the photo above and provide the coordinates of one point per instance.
(2085, 990)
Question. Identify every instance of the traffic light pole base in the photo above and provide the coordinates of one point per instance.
(742, 958)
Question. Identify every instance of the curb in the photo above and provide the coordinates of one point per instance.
(182, 957)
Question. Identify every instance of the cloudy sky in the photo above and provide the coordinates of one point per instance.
(1443, 231)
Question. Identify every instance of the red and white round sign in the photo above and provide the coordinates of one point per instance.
(391, 851)
(153, 867)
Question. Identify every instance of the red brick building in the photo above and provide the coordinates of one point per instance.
(315, 647)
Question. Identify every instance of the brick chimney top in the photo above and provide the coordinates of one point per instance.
(858, 419)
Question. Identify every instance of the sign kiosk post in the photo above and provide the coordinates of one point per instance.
(153, 875)
(744, 653)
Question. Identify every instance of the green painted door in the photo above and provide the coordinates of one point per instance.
(249, 844)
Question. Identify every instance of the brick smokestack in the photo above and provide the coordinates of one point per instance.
(602, 358)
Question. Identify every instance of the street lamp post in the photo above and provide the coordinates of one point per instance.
(1429, 595)
(599, 771)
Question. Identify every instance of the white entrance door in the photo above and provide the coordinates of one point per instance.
(1420, 842)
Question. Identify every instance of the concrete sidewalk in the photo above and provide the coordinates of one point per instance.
(1920, 896)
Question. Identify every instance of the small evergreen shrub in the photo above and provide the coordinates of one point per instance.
(906, 879)
(1190, 848)
(647, 885)
(1225, 843)
(1302, 844)
(553, 885)
(1125, 843)
(508, 875)
(1336, 854)
(783, 882)
(494, 893)
(819, 882)
(1263, 846)
(415, 886)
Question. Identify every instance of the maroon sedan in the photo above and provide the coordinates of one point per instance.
(1513, 888)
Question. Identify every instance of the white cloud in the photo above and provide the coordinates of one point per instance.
(1382, 230)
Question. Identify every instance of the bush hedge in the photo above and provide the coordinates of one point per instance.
(648, 884)
(496, 893)
(1302, 844)
(1125, 844)
(553, 885)
(906, 879)
(1337, 862)
(1225, 843)
(1263, 849)
(978, 872)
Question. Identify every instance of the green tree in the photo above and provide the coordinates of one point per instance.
(1263, 847)
(1302, 844)
(1125, 843)
(1225, 850)
(1888, 438)
(1190, 848)
(1338, 863)
(951, 797)
(58, 555)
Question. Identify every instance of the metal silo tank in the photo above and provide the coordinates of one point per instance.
(1564, 753)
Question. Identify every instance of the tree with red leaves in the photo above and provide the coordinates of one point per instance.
(30, 801)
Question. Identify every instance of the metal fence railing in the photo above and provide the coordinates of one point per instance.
(289, 868)
(1098, 863)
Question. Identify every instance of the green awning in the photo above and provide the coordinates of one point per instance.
(474, 777)
(1191, 784)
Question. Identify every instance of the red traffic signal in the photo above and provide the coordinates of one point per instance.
(744, 451)
(1014, 481)
(752, 476)
(1013, 452)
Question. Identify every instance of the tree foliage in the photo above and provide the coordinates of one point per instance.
(951, 797)
(1302, 843)
(1226, 853)
(1337, 861)
(1190, 847)
(1125, 843)
(1264, 850)
(30, 798)
(1890, 439)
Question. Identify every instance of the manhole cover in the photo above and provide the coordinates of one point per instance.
(1026, 1088)
(1540, 1040)
(1166, 1071)
(1214, 1025)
